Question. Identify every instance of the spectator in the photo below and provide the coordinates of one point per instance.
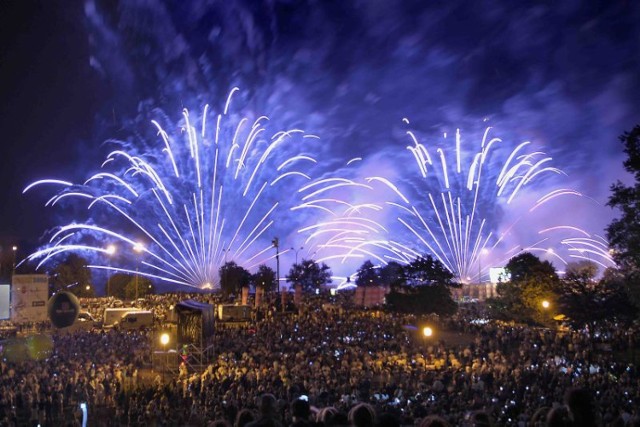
(362, 415)
(268, 410)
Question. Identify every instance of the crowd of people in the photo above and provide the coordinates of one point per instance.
(333, 367)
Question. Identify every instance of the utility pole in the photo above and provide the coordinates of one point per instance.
(276, 244)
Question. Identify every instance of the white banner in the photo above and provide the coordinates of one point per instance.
(29, 295)
(4, 301)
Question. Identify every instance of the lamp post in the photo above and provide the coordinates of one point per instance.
(427, 332)
(545, 304)
(276, 244)
(111, 250)
(164, 340)
(296, 251)
(223, 279)
(138, 247)
(13, 264)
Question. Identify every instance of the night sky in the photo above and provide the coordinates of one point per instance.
(565, 75)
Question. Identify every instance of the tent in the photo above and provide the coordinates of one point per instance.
(195, 322)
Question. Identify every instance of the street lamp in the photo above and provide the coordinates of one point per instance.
(111, 250)
(296, 251)
(13, 268)
(138, 247)
(276, 244)
(427, 332)
(545, 304)
(164, 340)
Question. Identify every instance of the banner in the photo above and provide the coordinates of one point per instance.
(29, 295)
(4, 301)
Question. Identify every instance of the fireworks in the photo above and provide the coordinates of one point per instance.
(217, 189)
(468, 207)
(208, 193)
(459, 209)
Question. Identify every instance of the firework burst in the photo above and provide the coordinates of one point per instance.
(459, 206)
(464, 205)
(206, 194)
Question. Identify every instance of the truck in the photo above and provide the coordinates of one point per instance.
(133, 320)
(113, 315)
(234, 313)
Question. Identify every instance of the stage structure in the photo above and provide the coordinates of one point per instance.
(195, 333)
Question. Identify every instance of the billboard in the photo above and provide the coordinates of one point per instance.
(4, 301)
(29, 295)
(499, 274)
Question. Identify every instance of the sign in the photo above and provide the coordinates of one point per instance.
(498, 274)
(29, 295)
(5, 293)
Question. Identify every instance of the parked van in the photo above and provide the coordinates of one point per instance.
(234, 313)
(135, 320)
(114, 315)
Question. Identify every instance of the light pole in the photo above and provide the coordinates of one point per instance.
(225, 268)
(138, 247)
(427, 332)
(296, 251)
(276, 244)
(13, 266)
(111, 250)
(296, 264)
(164, 340)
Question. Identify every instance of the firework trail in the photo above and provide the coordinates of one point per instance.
(457, 206)
(204, 196)
(458, 211)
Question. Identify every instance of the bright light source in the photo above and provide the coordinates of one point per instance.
(138, 247)
(427, 331)
(88, 287)
(111, 249)
(15, 248)
(546, 304)
(164, 339)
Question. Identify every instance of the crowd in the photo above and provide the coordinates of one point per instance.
(321, 367)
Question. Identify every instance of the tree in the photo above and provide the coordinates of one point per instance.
(233, 278)
(392, 275)
(585, 299)
(624, 233)
(425, 270)
(531, 282)
(118, 284)
(421, 300)
(73, 275)
(138, 287)
(265, 278)
(123, 286)
(425, 289)
(368, 275)
(309, 274)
